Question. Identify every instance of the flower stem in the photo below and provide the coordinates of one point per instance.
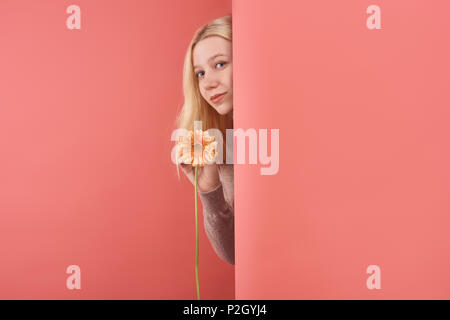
(196, 237)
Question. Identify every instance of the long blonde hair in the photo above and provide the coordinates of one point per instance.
(195, 106)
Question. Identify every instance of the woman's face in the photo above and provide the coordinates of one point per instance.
(213, 67)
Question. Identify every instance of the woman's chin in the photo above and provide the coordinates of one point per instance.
(224, 109)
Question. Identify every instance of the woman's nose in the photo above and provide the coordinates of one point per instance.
(210, 82)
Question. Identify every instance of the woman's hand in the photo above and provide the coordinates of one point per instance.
(207, 176)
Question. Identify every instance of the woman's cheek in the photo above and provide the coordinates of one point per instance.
(230, 78)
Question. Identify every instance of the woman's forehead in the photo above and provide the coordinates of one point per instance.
(209, 48)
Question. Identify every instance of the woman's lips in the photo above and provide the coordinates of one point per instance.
(218, 98)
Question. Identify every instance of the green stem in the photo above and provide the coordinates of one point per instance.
(196, 237)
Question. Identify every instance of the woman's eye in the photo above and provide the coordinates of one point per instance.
(201, 73)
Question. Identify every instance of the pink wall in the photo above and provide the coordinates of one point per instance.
(364, 173)
(86, 177)
(85, 170)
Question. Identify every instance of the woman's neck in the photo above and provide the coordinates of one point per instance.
(229, 117)
(229, 144)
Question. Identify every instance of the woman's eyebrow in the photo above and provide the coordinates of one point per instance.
(214, 56)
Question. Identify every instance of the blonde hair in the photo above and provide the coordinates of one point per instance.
(195, 106)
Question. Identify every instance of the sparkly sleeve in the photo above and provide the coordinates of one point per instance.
(218, 218)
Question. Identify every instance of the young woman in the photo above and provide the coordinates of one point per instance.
(208, 94)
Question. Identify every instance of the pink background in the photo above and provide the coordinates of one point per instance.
(364, 149)
(85, 171)
(86, 177)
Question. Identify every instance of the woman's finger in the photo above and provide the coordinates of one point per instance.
(185, 167)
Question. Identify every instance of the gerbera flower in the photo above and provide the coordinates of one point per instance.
(185, 154)
(185, 149)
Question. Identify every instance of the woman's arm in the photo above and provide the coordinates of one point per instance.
(219, 222)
